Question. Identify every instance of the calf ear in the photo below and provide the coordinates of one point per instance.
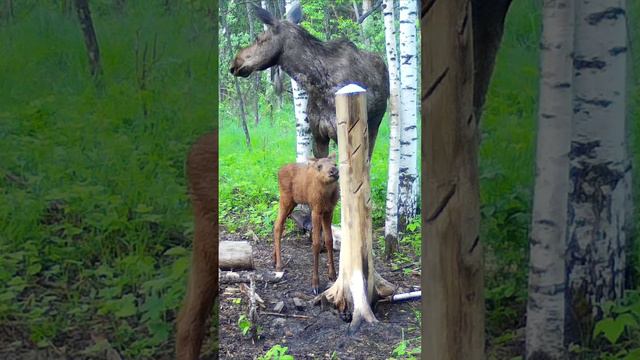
(295, 13)
(311, 160)
(265, 16)
(332, 156)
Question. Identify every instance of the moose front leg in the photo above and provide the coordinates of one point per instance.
(328, 243)
(316, 218)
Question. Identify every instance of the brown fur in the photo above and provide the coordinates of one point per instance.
(314, 184)
(202, 173)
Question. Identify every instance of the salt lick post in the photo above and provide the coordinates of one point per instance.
(358, 284)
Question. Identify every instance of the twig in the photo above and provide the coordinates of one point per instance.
(369, 12)
(287, 315)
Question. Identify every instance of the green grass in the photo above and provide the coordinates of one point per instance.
(93, 191)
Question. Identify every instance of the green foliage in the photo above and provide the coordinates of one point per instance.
(95, 214)
(617, 334)
(277, 352)
(244, 324)
(407, 349)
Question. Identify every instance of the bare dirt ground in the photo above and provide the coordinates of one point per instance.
(320, 334)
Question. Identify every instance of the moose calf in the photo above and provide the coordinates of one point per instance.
(314, 184)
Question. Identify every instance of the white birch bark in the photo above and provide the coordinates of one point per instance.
(599, 163)
(546, 304)
(408, 197)
(391, 215)
(303, 132)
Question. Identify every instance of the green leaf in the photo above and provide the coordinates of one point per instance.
(613, 328)
(633, 355)
(127, 307)
(176, 251)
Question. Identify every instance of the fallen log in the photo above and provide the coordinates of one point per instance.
(243, 277)
(235, 255)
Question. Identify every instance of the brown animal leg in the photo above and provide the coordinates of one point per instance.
(285, 208)
(202, 290)
(328, 243)
(316, 219)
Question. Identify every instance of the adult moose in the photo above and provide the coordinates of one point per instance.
(321, 68)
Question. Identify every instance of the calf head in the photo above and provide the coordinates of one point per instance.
(325, 168)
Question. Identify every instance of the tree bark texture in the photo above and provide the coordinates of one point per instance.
(391, 214)
(357, 283)
(546, 306)
(303, 131)
(599, 165)
(408, 193)
(452, 254)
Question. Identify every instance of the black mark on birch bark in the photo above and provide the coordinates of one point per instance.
(611, 13)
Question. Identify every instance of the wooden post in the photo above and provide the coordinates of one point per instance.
(357, 282)
(355, 194)
(453, 305)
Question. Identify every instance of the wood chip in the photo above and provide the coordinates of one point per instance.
(279, 306)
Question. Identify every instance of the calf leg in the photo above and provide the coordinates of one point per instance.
(316, 218)
(285, 208)
(201, 291)
(328, 242)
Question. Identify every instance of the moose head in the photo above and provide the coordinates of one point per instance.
(269, 45)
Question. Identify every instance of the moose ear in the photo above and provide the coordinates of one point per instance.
(311, 160)
(332, 156)
(295, 13)
(264, 16)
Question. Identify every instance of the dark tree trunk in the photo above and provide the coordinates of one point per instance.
(488, 26)
(256, 76)
(243, 113)
(90, 40)
(8, 9)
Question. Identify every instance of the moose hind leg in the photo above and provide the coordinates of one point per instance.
(285, 208)
(328, 243)
(320, 147)
(201, 291)
(317, 226)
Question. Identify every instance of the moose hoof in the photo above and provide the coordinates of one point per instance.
(332, 276)
(315, 290)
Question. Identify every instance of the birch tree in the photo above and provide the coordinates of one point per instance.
(391, 215)
(303, 132)
(578, 241)
(599, 164)
(408, 194)
(546, 306)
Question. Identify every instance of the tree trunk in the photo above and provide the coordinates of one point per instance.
(452, 254)
(357, 282)
(90, 40)
(255, 76)
(391, 215)
(546, 307)
(366, 6)
(303, 132)
(599, 165)
(408, 197)
(243, 113)
(488, 26)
